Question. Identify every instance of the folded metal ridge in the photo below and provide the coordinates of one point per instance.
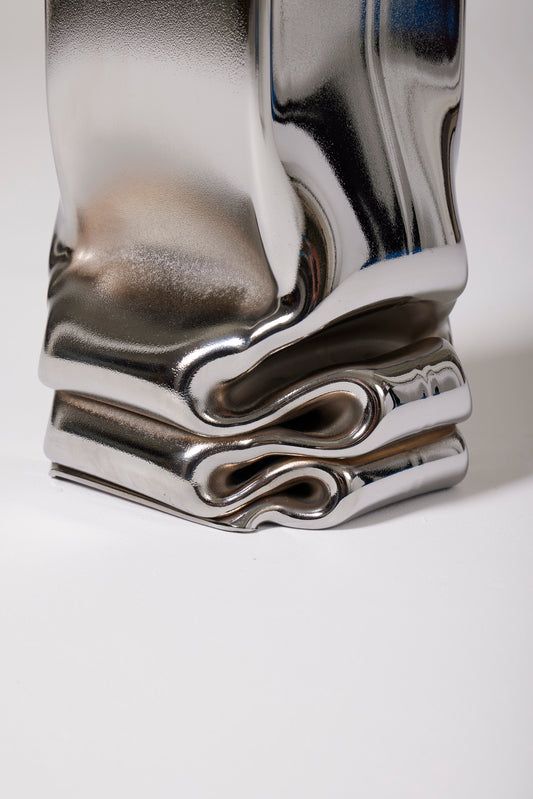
(121, 449)
(298, 475)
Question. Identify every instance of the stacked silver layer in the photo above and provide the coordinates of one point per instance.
(256, 254)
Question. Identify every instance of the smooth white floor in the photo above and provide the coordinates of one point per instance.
(141, 656)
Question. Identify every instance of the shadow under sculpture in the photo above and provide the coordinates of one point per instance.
(256, 254)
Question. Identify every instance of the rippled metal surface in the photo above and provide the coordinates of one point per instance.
(256, 254)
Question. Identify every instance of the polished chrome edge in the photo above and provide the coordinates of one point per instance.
(59, 472)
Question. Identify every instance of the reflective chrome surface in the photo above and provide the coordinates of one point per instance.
(256, 254)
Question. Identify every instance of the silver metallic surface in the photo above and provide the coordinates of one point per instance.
(256, 254)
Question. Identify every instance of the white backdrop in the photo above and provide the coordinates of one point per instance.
(141, 656)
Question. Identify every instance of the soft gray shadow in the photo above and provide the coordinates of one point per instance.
(499, 435)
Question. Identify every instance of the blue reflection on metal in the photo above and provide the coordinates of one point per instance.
(428, 18)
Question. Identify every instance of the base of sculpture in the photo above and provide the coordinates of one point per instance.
(295, 491)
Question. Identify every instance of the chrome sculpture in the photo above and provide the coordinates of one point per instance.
(256, 254)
